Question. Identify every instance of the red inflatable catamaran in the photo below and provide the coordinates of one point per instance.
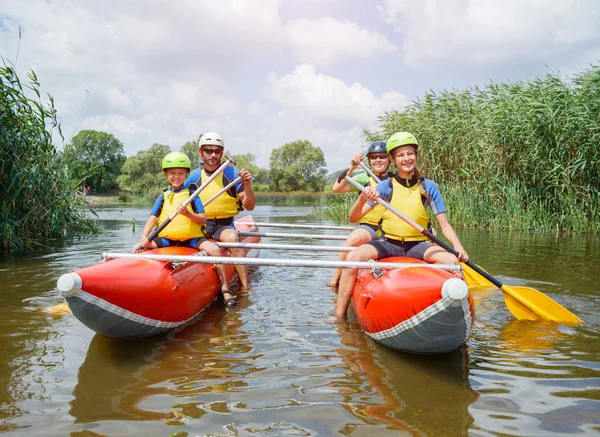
(129, 298)
(419, 310)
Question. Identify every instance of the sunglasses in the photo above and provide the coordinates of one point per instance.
(209, 151)
(374, 156)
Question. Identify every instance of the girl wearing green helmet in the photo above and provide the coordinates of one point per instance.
(411, 194)
(187, 228)
(368, 228)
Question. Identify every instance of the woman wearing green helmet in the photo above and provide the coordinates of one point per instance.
(188, 227)
(411, 194)
(368, 228)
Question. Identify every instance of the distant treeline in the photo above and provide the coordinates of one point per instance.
(522, 155)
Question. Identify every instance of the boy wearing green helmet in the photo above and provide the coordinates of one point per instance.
(411, 194)
(187, 227)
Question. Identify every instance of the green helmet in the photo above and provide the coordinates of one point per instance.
(401, 139)
(176, 160)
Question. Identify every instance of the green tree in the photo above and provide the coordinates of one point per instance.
(190, 148)
(297, 166)
(142, 173)
(95, 158)
(38, 200)
(260, 176)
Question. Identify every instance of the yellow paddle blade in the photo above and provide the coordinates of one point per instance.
(59, 309)
(527, 303)
(473, 278)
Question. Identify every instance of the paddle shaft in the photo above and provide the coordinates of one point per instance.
(280, 262)
(284, 235)
(305, 226)
(369, 172)
(287, 247)
(429, 235)
(227, 187)
(195, 194)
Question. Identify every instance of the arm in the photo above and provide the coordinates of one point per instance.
(197, 214)
(247, 196)
(150, 224)
(196, 217)
(361, 207)
(451, 236)
(341, 185)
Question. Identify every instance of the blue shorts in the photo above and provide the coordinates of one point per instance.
(192, 242)
(387, 248)
(215, 227)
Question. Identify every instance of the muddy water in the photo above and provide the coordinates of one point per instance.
(279, 365)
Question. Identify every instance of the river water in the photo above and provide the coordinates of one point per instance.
(280, 365)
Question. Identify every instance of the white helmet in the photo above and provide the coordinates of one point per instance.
(211, 139)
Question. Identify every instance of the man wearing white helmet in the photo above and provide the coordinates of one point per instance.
(221, 212)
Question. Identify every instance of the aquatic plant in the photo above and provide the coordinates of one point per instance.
(522, 155)
(38, 201)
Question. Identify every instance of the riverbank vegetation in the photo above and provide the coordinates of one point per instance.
(38, 200)
(524, 155)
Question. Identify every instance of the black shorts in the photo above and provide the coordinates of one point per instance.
(387, 248)
(192, 242)
(215, 227)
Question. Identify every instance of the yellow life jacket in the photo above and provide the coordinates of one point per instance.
(374, 216)
(181, 228)
(224, 206)
(408, 201)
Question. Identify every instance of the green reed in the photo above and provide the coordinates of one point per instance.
(38, 200)
(522, 155)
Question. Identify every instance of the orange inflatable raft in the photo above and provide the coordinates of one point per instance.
(418, 309)
(137, 298)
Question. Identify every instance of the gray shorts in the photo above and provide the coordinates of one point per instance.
(387, 248)
(372, 230)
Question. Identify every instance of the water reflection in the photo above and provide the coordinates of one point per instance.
(276, 365)
(137, 372)
(406, 384)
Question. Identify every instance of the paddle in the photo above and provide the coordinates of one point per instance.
(471, 276)
(195, 194)
(523, 302)
(227, 187)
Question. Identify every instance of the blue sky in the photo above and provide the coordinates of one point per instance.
(266, 72)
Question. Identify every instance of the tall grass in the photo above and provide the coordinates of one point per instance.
(38, 202)
(522, 155)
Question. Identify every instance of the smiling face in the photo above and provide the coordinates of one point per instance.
(405, 158)
(211, 155)
(176, 176)
(379, 162)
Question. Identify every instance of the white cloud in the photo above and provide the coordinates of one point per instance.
(157, 64)
(484, 31)
(306, 94)
(323, 109)
(325, 40)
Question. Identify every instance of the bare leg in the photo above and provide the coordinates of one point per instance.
(231, 236)
(348, 278)
(356, 238)
(437, 255)
(213, 250)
